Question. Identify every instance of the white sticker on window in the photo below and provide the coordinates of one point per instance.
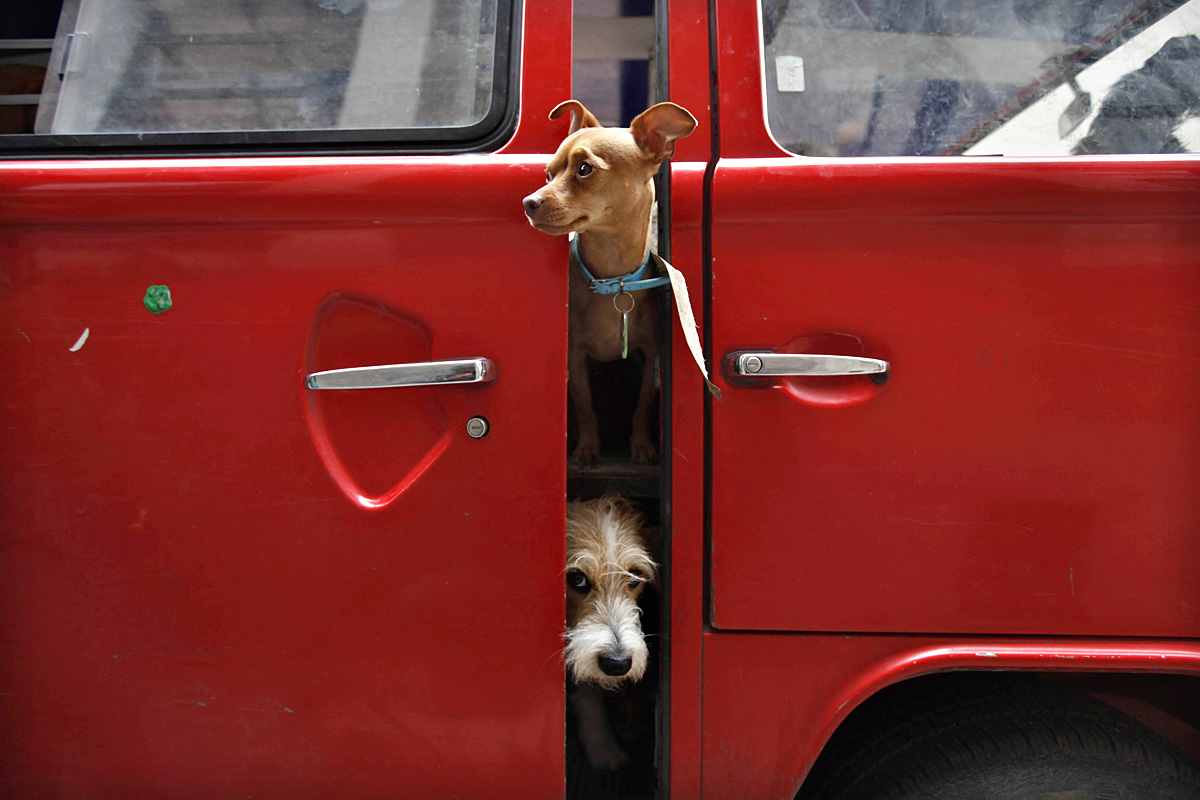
(789, 73)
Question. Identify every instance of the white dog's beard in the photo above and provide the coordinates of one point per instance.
(614, 629)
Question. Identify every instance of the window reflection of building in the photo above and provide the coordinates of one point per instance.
(1143, 110)
(945, 77)
(227, 65)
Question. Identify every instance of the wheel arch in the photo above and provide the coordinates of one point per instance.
(1155, 683)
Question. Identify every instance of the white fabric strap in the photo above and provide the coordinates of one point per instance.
(687, 321)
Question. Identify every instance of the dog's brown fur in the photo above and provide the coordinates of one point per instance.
(600, 186)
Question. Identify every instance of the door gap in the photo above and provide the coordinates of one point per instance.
(615, 76)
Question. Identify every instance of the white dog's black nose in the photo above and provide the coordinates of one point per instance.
(614, 666)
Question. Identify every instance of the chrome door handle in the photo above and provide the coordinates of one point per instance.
(421, 373)
(765, 364)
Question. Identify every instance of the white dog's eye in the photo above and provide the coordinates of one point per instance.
(638, 580)
(584, 169)
(578, 581)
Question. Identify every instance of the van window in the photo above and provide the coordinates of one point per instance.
(1014, 77)
(269, 71)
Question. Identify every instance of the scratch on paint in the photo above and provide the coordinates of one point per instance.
(26, 335)
(1156, 359)
(967, 524)
(239, 507)
(1072, 581)
(81, 341)
(7, 694)
(275, 710)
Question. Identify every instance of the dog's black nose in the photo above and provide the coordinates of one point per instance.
(532, 203)
(614, 666)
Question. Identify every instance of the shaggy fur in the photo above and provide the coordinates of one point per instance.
(607, 546)
(609, 566)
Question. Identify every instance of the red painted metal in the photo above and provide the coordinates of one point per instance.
(744, 131)
(772, 701)
(545, 76)
(689, 86)
(688, 70)
(1029, 466)
(216, 583)
(687, 496)
(193, 607)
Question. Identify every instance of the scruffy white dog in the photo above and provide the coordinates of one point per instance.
(609, 564)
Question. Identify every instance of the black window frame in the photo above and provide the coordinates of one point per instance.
(489, 133)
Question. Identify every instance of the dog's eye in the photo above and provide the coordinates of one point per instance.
(584, 169)
(549, 177)
(578, 581)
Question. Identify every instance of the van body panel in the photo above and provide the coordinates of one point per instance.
(218, 578)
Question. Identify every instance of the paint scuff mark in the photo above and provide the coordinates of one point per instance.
(26, 335)
(82, 340)
(967, 524)
(274, 707)
(1072, 581)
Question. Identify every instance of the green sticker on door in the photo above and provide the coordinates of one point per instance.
(157, 299)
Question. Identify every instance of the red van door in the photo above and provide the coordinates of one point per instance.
(960, 394)
(215, 576)
(228, 568)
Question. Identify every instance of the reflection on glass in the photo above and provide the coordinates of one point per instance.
(147, 66)
(1014, 77)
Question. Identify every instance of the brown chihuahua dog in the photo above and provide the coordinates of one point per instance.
(600, 186)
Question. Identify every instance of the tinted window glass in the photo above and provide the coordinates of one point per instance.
(1014, 77)
(222, 66)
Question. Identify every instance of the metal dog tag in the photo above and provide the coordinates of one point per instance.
(624, 321)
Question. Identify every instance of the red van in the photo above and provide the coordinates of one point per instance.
(975, 576)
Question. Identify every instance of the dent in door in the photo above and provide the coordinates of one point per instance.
(375, 443)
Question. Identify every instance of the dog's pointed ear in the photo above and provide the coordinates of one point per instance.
(580, 116)
(656, 129)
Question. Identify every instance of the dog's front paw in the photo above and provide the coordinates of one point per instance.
(605, 753)
(642, 450)
(587, 451)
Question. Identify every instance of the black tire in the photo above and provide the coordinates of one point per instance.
(999, 738)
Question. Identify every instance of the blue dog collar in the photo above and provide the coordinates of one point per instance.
(633, 282)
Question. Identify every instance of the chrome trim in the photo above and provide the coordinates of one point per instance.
(422, 373)
(765, 364)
